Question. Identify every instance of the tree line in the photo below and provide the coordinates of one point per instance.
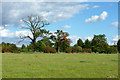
(57, 41)
(62, 44)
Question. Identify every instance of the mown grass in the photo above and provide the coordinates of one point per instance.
(59, 65)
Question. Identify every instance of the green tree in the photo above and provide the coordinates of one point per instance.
(35, 25)
(76, 49)
(87, 44)
(30, 47)
(99, 43)
(7, 47)
(111, 49)
(47, 42)
(23, 48)
(80, 42)
(40, 46)
(14, 48)
(65, 42)
(4, 49)
(60, 39)
(118, 45)
(75, 45)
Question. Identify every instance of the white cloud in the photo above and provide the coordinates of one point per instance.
(66, 27)
(6, 25)
(12, 13)
(60, 0)
(44, 0)
(115, 38)
(96, 18)
(111, 43)
(103, 0)
(96, 6)
(11, 34)
(114, 24)
(1, 28)
(89, 37)
(23, 33)
(5, 32)
(74, 39)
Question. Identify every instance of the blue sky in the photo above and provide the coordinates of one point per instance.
(74, 18)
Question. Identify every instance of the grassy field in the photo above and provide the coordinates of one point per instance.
(59, 65)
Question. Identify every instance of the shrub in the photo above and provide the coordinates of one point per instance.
(87, 50)
(49, 50)
(52, 50)
(76, 49)
(68, 50)
(111, 50)
(7, 47)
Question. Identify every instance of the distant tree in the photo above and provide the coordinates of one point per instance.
(47, 42)
(68, 50)
(65, 42)
(7, 47)
(14, 48)
(88, 50)
(4, 49)
(57, 39)
(23, 46)
(87, 44)
(76, 49)
(40, 46)
(30, 47)
(35, 25)
(49, 50)
(99, 43)
(111, 50)
(80, 42)
(60, 39)
(118, 45)
(75, 45)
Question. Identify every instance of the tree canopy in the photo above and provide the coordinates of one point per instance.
(80, 42)
(118, 45)
(34, 24)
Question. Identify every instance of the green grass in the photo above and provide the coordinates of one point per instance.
(60, 65)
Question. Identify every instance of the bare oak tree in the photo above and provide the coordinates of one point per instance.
(35, 25)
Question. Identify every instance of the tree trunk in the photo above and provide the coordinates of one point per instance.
(57, 47)
(34, 46)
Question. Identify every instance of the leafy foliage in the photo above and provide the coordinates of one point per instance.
(68, 50)
(118, 45)
(87, 44)
(35, 25)
(86, 50)
(7, 47)
(111, 50)
(40, 46)
(23, 48)
(49, 50)
(99, 44)
(61, 40)
(76, 49)
(80, 42)
(47, 42)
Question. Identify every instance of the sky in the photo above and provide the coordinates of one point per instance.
(80, 19)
